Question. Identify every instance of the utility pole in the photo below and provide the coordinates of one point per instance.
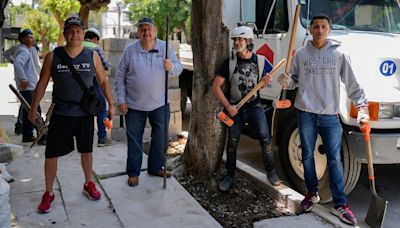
(119, 19)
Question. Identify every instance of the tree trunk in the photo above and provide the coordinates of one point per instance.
(84, 15)
(60, 40)
(206, 142)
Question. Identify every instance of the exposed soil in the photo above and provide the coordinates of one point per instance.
(241, 206)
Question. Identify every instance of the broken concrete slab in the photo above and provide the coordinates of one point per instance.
(9, 152)
(152, 206)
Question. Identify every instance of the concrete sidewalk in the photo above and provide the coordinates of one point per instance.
(147, 205)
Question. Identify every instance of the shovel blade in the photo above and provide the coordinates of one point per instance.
(376, 212)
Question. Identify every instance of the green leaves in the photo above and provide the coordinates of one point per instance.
(178, 10)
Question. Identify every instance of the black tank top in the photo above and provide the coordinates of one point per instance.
(66, 88)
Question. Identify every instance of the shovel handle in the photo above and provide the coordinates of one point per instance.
(366, 130)
(260, 84)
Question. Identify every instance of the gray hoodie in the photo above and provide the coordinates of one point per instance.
(25, 68)
(317, 74)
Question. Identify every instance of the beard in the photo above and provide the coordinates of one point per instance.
(239, 48)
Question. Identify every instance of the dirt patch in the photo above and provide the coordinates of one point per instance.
(241, 206)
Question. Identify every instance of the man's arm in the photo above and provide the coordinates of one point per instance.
(104, 60)
(103, 82)
(21, 59)
(217, 90)
(45, 74)
(176, 65)
(120, 84)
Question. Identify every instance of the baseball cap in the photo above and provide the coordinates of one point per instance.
(145, 20)
(95, 31)
(73, 21)
(24, 33)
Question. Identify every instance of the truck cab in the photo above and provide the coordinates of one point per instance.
(369, 33)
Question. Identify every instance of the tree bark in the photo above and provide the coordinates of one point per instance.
(60, 40)
(84, 15)
(206, 141)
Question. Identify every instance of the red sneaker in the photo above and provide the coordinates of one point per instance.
(47, 201)
(90, 191)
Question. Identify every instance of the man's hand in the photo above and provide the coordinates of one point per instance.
(123, 108)
(232, 110)
(34, 116)
(283, 79)
(363, 115)
(111, 111)
(167, 64)
(24, 85)
(267, 79)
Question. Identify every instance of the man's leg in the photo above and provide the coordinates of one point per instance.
(231, 148)
(307, 123)
(50, 172)
(258, 123)
(27, 129)
(135, 123)
(87, 164)
(19, 123)
(101, 127)
(331, 132)
(158, 142)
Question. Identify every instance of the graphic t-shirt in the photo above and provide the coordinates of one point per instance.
(244, 78)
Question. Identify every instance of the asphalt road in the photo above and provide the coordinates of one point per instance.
(387, 184)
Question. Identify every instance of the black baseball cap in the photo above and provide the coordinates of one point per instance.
(145, 20)
(73, 21)
(24, 33)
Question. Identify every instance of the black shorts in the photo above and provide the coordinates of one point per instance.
(62, 129)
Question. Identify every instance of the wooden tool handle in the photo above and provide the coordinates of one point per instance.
(292, 37)
(260, 84)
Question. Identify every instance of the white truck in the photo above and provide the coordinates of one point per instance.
(369, 31)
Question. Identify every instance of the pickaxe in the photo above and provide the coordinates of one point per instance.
(283, 102)
(225, 118)
(40, 124)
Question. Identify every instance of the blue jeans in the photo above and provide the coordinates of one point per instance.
(255, 117)
(135, 124)
(27, 126)
(101, 127)
(330, 130)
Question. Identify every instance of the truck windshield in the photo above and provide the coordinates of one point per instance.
(361, 15)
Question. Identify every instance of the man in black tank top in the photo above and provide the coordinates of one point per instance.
(69, 120)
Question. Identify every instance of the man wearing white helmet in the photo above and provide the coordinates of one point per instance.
(242, 72)
(92, 40)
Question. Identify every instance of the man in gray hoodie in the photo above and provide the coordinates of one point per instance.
(317, 70)
(26, 75)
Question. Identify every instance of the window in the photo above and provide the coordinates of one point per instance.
(278, 21)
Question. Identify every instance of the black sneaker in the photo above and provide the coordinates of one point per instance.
(29, 138)
(308, 202)
(226, 183)
(273, 178)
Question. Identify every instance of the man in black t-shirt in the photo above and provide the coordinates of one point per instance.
(242, 72)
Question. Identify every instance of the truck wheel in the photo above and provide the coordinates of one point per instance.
(290, 152)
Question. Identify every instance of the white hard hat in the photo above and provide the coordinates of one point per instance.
(95, 31)
(242, 31)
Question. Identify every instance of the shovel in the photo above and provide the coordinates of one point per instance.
(377, 207)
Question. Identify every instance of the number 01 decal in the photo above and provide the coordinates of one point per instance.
(388, 68)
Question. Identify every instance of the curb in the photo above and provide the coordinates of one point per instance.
(286, 196)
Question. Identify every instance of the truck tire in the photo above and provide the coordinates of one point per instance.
(290, 156)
